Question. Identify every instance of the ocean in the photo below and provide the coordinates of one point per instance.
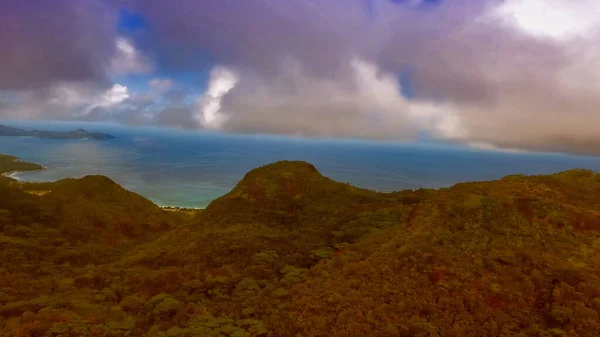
(191, 168)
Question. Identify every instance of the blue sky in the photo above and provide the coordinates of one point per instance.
(507, 75)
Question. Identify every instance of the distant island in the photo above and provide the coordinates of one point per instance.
(75, 134)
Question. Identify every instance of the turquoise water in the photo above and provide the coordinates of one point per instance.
(189, 169)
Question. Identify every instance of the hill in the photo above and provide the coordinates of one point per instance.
(515, 257)
(95, 206)
(289, 252)
(75, 134)
(79, 222)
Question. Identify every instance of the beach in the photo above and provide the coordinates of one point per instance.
(15, 174)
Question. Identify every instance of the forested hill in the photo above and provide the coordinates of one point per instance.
(289, 252)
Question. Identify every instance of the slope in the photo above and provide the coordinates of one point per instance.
(95, 206)
(515, 257)
(292, 253)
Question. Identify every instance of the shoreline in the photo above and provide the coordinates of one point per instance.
(14, 174)
(181, 208)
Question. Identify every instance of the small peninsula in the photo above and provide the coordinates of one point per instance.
(13, 164)
(75, 134)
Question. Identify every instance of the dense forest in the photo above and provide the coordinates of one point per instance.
(289, 252)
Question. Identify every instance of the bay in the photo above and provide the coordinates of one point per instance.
(192, 168)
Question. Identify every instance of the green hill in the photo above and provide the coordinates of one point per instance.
(515, 257)
(96, 206)
(289, 252)
(284, 194)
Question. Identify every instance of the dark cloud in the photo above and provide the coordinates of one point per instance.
(480, 79)
(326, 68)
(42, 42)
(259, 34)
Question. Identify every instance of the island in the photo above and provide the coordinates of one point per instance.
(75, 134)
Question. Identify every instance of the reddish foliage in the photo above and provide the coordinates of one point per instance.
(524, 206)
(341, 252)
(215, 272)
(436, 276)
(412, 215)
(495, 302)
(586, 221)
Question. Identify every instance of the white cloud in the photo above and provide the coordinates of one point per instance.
(380, 94)
(128, 60)
(558, 19)
(86, 98)
(368, 104)
(66, 100)
(83, 99)
(208, 106)
(115, 95)
(110, 98)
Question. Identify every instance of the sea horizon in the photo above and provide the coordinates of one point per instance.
(175, 168)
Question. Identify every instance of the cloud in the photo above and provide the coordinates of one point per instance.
(209, 114)
(42, 42)
(486, 72)
(368, 105)
(128, 60)
(557, 19)
(114, 96)
(79, 101)
(65, 101)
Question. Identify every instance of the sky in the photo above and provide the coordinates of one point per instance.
(518, 75)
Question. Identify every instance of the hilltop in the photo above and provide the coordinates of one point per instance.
(289, 252)
(283, 194)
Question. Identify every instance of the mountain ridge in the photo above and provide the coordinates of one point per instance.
(289, 252)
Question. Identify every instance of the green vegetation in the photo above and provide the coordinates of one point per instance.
(12, 164)
(289, 252)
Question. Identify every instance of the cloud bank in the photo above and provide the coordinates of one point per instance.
(485, 73)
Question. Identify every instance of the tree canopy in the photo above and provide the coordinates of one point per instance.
(289, 252)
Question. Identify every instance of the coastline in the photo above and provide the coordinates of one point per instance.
(181, 208)
(14, 174)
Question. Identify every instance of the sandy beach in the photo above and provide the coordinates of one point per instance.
(12, 174)
(15, 174)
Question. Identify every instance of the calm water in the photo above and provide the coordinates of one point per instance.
(190, 169)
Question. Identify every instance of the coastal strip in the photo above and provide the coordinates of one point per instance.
(178, 208)
(15, 174)
(11, 167)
